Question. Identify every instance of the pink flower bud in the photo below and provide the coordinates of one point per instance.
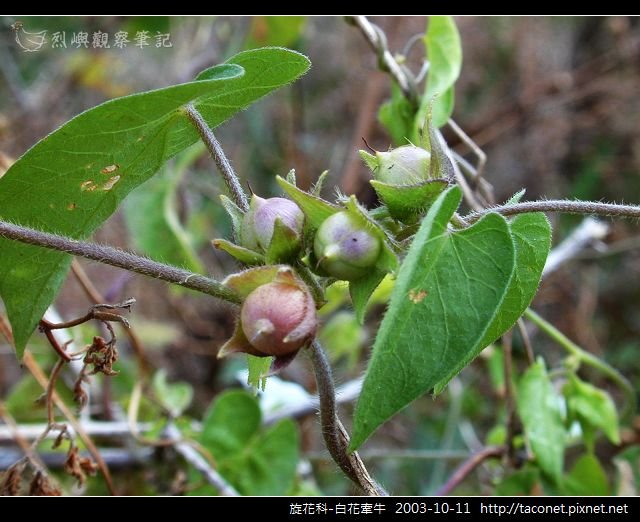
(278, 318)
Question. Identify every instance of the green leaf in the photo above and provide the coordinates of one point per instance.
(234, 213)
(316, 190)
(258, 370)
(230, 423)
(361, 291)
(284, 244)
(586, 478)
(244, 255)
(405, 201)
(152, 220)
(254, 462)
(269, 464)
(516, 197)
(315, 210)
(593, 407)
(397, 116)
(519, 483)
(444, 52)
(448, 292)
(539, 408)
(342, 336)
(245, 282)
(76, 177)
(174, 397)
(532, 237)
(441, 164)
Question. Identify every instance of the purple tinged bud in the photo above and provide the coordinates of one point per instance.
(258, 223)
(345, 248)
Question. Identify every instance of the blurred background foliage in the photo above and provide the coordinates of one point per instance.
(554, 104)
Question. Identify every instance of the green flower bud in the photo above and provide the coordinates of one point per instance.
(345, 248)
(406, 165)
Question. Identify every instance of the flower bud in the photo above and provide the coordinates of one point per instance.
(258, 223)
(278, 318)
(406, 165)
(345, 248)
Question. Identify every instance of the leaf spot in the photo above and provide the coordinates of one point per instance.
(111, 182)
(72, 206)
(88, 186)
(109, 169)
(416, 295)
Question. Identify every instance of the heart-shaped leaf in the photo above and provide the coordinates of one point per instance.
(74, 179)
(449, 291)
(254, 461)
(532, 236)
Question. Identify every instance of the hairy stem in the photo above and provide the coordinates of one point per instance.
(334, 433)
(585, 357)
(561, 205)
(120, 259)
(215, 149)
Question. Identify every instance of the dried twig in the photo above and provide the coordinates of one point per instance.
(95, 296)
(468, 466)
(40, 376)
(378, 42)
(193, 457)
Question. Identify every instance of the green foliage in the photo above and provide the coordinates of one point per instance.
(444, 52)
(400, 117)
(593, 408)
(539, 407)
(343, 336)
(520, 483)
(586, 478)
(315, 209)
(151, 216)
(255, 461)
(258, 370)
(404, 202)
(397, 115)
(458, 289)
(76, 177)
(449, 290)
(531, 234)
(174, 397)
